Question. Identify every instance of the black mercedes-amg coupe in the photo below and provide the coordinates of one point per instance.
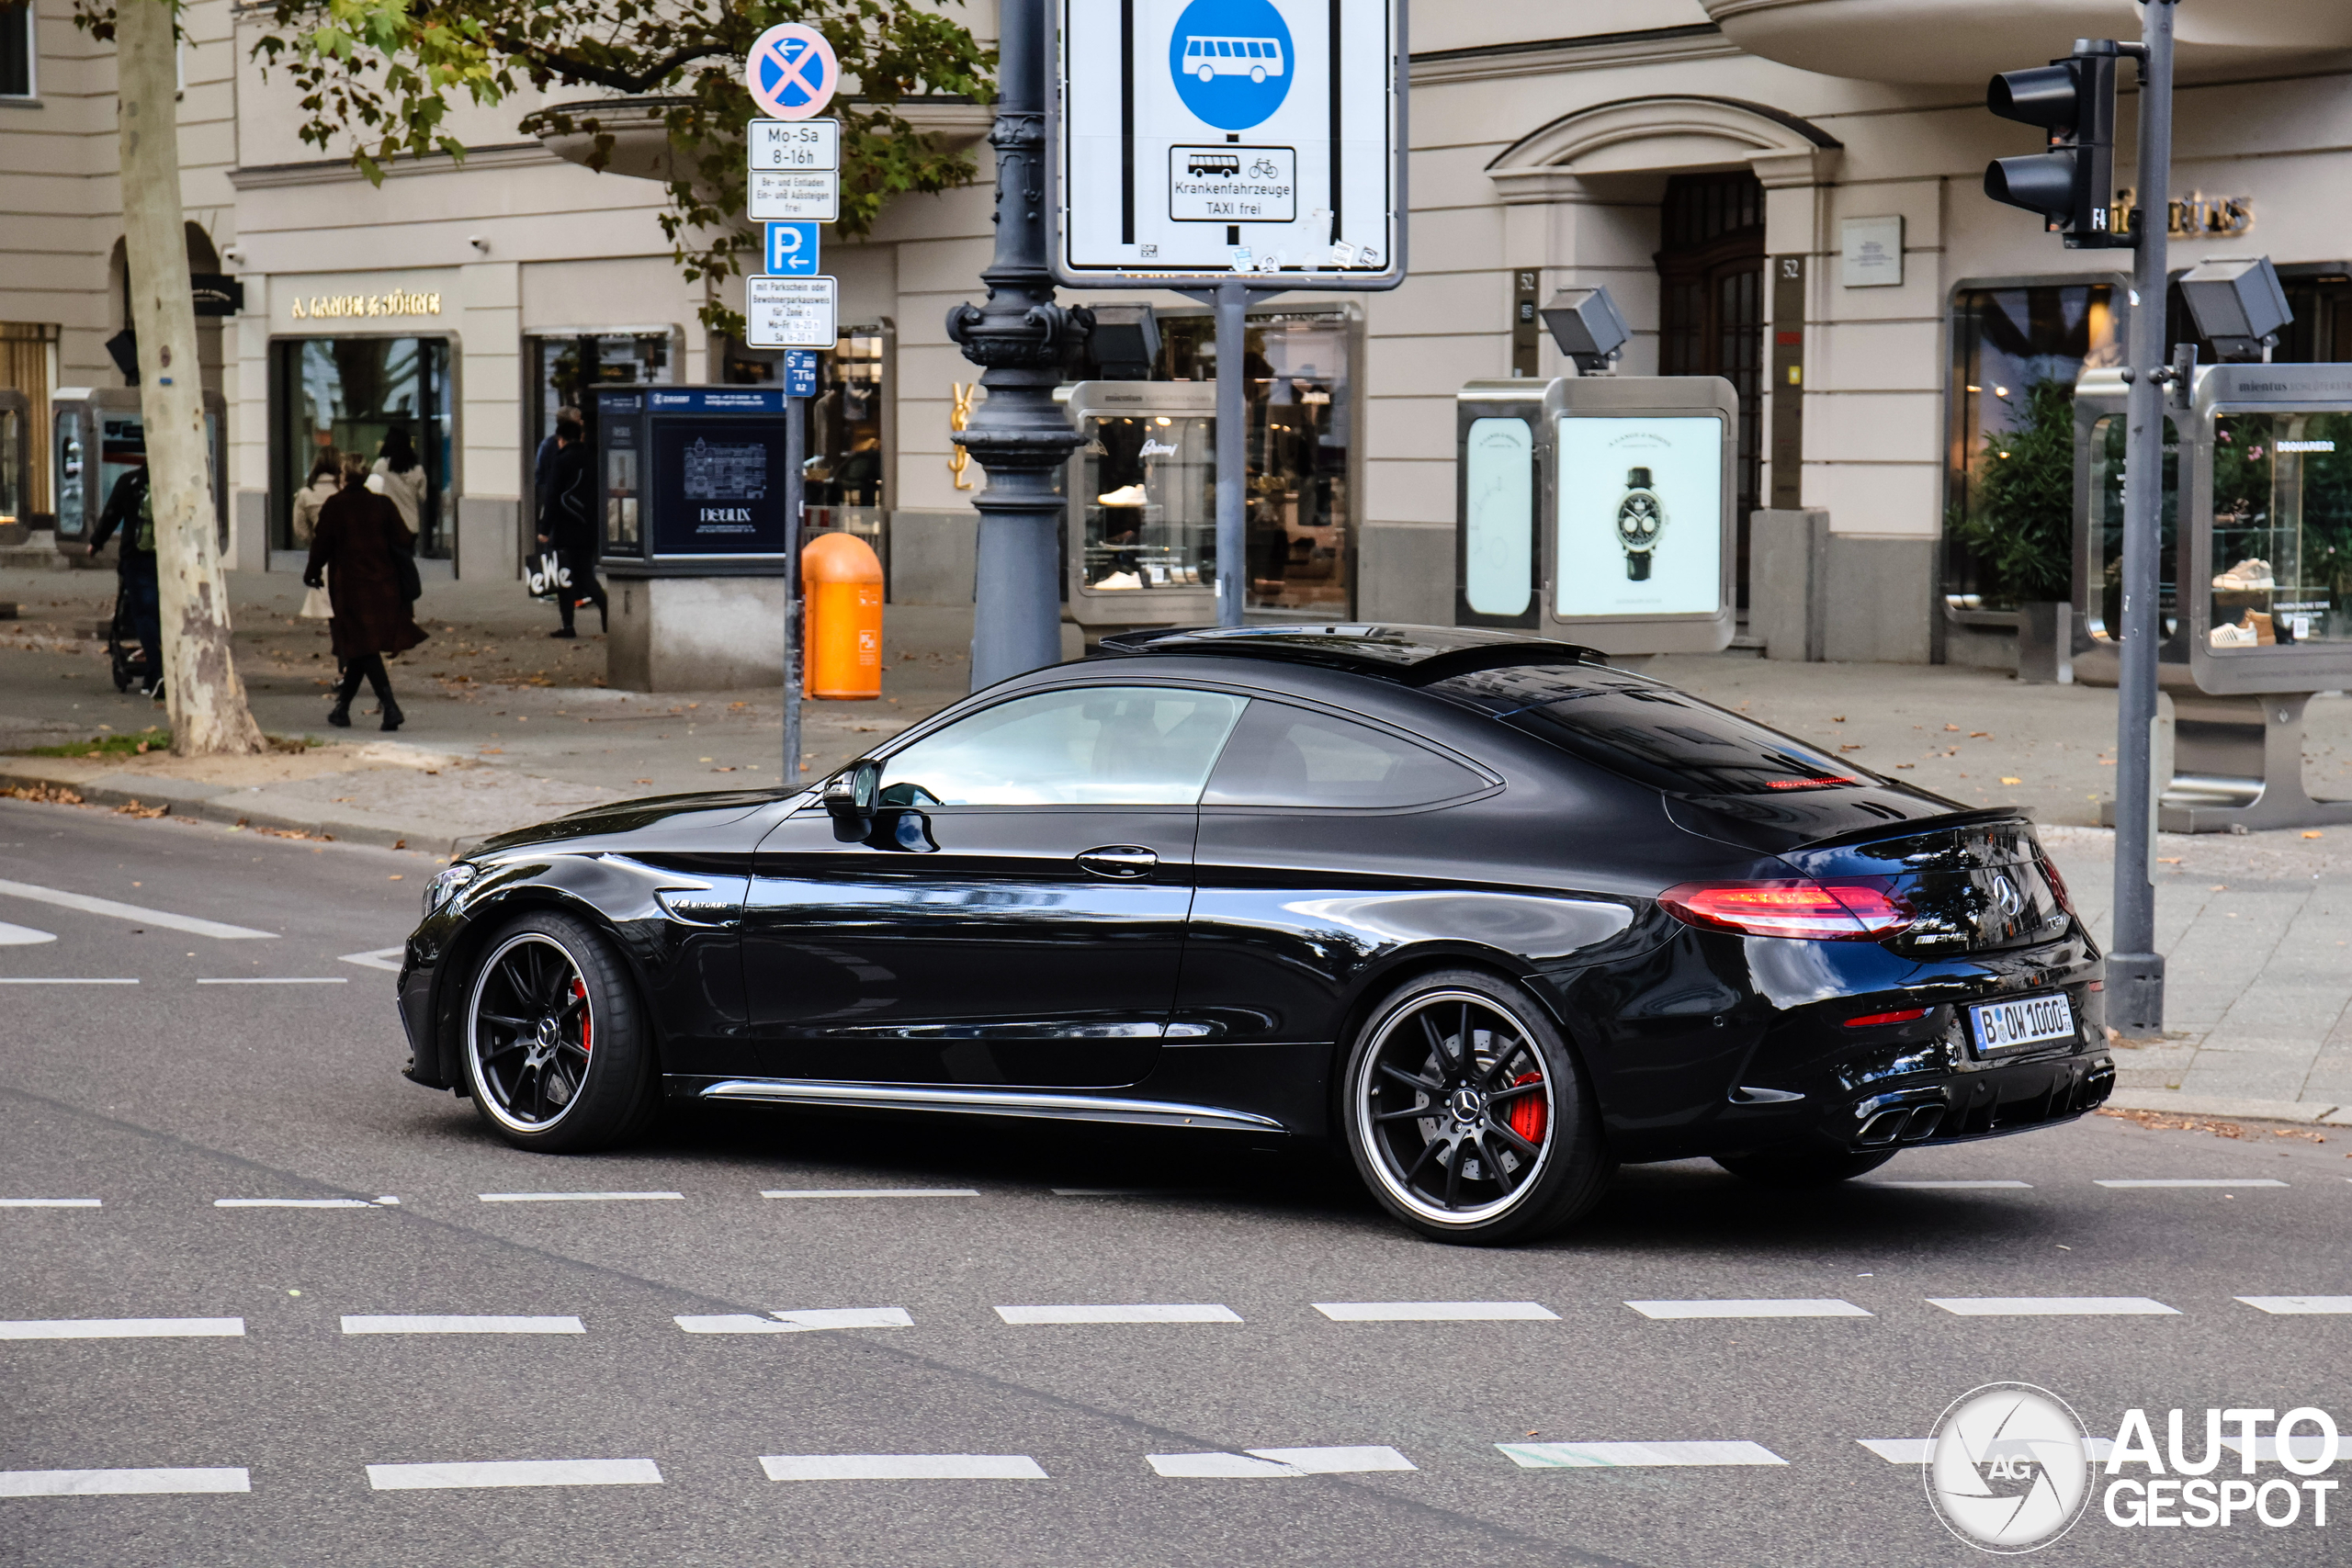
(1493, 914)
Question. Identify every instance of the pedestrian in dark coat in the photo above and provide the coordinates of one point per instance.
(568, 525)
(357, 534)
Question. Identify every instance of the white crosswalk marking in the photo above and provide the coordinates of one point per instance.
(51, 1203)
(54, 980)
(2053, 1306)
(134, 913)
(1822, 1307)
(1608, 1456)
(2294, 1306)
(125, 1328)
(874, 1192)
(901, 1467)
(515, 1473)
(1203, 1312)
(291, 1203)
(1435, 1312)
(2193, 1181)
(374, 1323)
(798, 1322)
(380, 958)
(576, 1197)
(1257, 1463)
(23, 936)
(119, 1482)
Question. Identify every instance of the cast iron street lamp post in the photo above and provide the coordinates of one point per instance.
(1022, 340)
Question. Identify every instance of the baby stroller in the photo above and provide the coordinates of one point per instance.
(123, 653)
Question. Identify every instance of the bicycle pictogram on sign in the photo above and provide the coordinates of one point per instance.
(792, 71)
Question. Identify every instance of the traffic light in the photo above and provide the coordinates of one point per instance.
(2072, 184)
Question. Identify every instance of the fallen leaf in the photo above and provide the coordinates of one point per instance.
(1951, 727)
(395, 877)
(2315, 833)
(2012, 781)
(2219, 888)
(1980, 735)
(640, 780)
(2167, 860)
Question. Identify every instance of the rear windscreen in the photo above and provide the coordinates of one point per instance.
(1680, 745)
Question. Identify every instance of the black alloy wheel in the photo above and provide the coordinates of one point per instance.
(554, 1056)
(1467, 1115)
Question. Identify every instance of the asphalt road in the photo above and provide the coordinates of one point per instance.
(159, 1100)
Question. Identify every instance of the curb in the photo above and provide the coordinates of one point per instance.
(220, 808)
(2324, 1112)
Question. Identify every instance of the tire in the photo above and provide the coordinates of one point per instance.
(1509, 1148)
(1207, 75)
(549, 987)
(1789, 1169)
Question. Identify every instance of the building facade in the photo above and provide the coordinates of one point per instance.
(1785, 192)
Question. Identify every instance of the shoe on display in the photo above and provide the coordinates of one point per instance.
(2248, 576)
(1118, 580)
(2233, 637)
(1125, 495)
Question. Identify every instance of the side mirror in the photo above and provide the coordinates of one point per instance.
(850, 794)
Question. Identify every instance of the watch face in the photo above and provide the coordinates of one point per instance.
(1639, 520)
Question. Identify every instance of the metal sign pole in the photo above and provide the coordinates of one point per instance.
(2135, 969)
(1232, 451)
(796, 450)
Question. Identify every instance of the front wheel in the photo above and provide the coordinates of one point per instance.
(556, 1055)
(1207, 75)
(1804, 1168)
(1467, 1116)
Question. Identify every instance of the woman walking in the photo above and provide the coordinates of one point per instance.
(399, 477)
(357, 535)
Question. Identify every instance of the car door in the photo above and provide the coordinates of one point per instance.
(1016, 914)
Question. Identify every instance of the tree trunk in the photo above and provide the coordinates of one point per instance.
(207, 702)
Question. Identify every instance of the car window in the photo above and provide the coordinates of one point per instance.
(1678, 744)
(1091, 745)
(1281, 755)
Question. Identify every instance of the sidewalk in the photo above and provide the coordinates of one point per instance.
(505, 728)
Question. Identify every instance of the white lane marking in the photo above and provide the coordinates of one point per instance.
(393, 1324)
(23, 936)
(1917, 1450)
(50, 1202)
(1610, 1456)
(133, 912)
(515, 1473)
(873, 1193)
(1199, 1312)
(1435, 1312)
(291, 1203)
(279, 980)
(2295, 1306)
(45, 980)
(576, 1197)
(1954, 1186)
(901, 1467)
(802, 1322)
(1279, 1461)
(381, 958)
(2196, 1181)
(2053, 1306)
(125, 1328)
(1817, 1307)
(119, 1482)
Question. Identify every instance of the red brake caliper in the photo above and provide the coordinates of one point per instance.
(579, 989)
(1528, 1112)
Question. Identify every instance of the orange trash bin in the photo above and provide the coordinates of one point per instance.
(841, 632)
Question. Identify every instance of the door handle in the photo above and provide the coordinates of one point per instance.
(1123, 862)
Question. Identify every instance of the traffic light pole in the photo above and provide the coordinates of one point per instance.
(2135, 970)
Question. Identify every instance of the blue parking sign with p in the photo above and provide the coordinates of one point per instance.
(792, 250)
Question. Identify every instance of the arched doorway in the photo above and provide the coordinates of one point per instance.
(1711, 307)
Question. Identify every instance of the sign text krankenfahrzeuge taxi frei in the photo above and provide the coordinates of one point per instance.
(1199, 137)
(795, 161)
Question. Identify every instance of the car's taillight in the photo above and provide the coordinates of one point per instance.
(1900, 1015)
(2057, 883)
(1810, 912)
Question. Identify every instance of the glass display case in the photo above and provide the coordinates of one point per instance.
(1142, 520)
(2280, 549)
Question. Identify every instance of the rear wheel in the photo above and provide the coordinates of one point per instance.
(1467, 1115)
(556, 1055)
(1805, 1167)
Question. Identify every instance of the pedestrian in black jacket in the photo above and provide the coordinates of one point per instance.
(568, 525)
(131, 508)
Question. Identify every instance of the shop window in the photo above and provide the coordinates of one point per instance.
(848, 466)
(2105, 607)
(1299, 370)
(355, 395)
(566, 371)
(29, 369)
(16, 50)
(2009, 487)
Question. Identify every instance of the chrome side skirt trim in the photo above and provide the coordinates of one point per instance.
(988, 1103)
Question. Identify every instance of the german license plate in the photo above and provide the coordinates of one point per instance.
(2028, 1021)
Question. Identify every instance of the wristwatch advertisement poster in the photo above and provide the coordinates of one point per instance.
(1640, 510)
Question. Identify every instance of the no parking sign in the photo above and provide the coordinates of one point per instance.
(791, 71)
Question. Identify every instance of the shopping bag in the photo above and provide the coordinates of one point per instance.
(317, 606)
(548, 576)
